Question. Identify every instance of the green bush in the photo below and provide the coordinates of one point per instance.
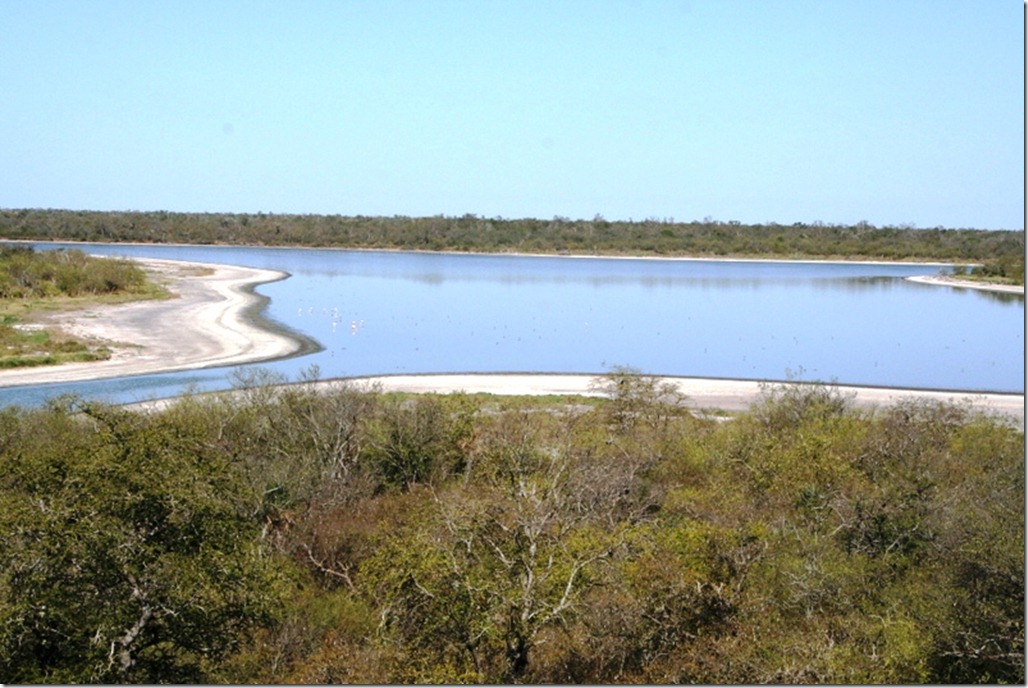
(293, 535)
(25, 273)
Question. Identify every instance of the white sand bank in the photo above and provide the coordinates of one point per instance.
(205, 325)
(702, 393)
(948, 281)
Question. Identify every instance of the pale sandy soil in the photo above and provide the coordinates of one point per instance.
(205, 325)
(947, 281)
(701, 393)
(706, 395)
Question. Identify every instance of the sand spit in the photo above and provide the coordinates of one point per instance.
(701, 393)
(949, 281)
(207, 324)
(707, 396)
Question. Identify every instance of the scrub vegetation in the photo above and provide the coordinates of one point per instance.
(303, 534)
(35, 282)
(999, 253)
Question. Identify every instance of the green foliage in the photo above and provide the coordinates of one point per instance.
(420, 440)
(637, 398)
(304, 534)
(494, 565)
(123, 558)
(708, 237)
(1007, 269)
(31, 347)
(29, 279)
(25, 273)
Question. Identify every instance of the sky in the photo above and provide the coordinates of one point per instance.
(891, 112)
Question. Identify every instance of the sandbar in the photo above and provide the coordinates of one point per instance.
(709, 397)
(950, 281)
(207, 323)
(701, 393)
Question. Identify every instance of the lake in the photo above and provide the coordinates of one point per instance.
(383, 312)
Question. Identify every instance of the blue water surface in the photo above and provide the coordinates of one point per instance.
(383, 312)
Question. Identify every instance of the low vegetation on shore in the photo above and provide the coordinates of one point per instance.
(1001, 253)
(293, 534)
(37, 282)
(1004, 270)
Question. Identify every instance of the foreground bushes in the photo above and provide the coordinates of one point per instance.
(307, 535)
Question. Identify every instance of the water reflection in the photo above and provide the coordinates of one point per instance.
(377, 312)
(996, 296)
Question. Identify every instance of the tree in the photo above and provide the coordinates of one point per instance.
(123, 555)
(499, 559)
(416, 441)
(638, 398)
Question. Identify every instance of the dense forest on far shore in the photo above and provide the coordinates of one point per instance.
(1001, 251)
(298, 534)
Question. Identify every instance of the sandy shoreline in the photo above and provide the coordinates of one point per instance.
(704, 395)
(515, 254)
(207, 324)
(948, 281)
(701, 393)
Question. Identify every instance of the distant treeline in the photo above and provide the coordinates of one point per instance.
(558, 235)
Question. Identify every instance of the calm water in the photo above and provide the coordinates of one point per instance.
(387, 312)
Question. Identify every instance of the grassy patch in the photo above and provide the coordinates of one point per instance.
(35, 284)
(22, 348)
(993, 279)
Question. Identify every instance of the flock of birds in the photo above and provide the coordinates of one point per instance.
(355, 326)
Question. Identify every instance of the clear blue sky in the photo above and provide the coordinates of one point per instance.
(893, 111)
